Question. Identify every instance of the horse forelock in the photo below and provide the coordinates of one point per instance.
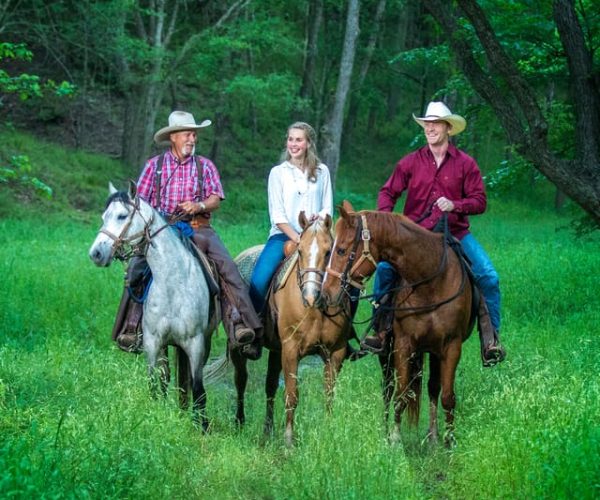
(121, 196)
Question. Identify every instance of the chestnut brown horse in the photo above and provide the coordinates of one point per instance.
(432, 308)
(297, 324)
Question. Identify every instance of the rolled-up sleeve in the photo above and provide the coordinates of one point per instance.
(276, 202)
(327, 200)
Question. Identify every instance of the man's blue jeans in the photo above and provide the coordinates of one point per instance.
(265, 268)
(486, 277)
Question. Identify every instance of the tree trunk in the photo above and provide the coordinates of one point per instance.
(331, 132)
(307, 89)
(364, 68)
(516, 105)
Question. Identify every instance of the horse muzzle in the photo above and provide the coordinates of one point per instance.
(101, 255)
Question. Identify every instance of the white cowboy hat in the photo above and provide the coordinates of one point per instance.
(438, 111)
(178, 121)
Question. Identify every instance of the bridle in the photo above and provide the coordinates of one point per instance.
(304, 275)
(124, 247)
(346, 276)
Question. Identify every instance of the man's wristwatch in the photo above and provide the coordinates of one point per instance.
(202, 207)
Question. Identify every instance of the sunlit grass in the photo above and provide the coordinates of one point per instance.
(76, 418)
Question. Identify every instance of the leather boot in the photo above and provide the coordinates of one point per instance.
(492, 351)
(382, 326)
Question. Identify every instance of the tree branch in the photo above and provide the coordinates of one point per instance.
(583, 87)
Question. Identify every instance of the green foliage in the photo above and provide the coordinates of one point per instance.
(25, 85)
(17, 173)
(70, 183)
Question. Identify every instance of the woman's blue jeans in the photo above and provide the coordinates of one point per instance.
(486, 277)
(265, 268)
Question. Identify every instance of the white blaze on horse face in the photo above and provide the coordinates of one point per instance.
(311, 290)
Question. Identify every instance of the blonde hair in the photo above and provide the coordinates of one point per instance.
(311, 160)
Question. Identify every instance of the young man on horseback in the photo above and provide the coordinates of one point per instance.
(186, 189)
(439, 178)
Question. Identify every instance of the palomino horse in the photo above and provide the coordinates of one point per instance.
(432, 309)
(176, 310)
(296, 326)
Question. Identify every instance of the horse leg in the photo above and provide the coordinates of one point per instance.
(152, 350)
(448, 372)
(402, 365)
(387, 384)
(289, 361)
(240, 378)
(433, 388)
(271, 385)
(331, 369)
(164, 370)
(183, 377)
(195, 357)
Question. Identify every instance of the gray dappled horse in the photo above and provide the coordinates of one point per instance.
(177, 306)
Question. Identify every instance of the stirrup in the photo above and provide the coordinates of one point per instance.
(493, 354)
(243, 335)
(374, 343)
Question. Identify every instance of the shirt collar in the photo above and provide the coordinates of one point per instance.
(173, 159)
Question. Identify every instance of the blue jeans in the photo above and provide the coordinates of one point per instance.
(265, 268)
(486, 277)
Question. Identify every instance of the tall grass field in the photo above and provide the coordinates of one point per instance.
(77, 419)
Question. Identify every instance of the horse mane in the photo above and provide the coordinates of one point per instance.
(387, 223)
(391, 226)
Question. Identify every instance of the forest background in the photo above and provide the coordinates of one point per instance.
(83, 87)
(524, 74)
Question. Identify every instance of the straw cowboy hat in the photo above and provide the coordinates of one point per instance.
(438, 111)
(178, 121)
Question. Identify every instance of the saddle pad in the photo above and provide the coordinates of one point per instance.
(246, 261)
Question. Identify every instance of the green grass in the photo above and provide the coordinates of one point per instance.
(77, 421)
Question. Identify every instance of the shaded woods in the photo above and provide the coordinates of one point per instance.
(525, 76)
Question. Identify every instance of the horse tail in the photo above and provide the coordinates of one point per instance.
(216, 369)
(413, 393)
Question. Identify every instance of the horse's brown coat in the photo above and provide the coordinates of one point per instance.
(425, 320)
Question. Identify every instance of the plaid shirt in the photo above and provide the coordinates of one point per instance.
(178, 182)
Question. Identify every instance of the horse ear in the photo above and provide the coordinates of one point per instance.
(328, 221)
(111, 188)
(132, 189)
(302, 220)
(345, 210)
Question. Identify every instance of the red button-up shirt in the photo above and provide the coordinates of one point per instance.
(179, 182)
(458, 178)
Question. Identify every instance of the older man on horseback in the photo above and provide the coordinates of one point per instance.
(186, 189)
(441, 179)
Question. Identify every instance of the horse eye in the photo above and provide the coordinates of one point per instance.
(341, 252)
(327, 254)
(122, 217)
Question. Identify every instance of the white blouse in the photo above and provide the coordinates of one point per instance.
(290, 192)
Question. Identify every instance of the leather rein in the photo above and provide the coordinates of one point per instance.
(124, 248)
(346, 277)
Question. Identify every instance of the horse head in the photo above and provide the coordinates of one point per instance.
(313, 253)
(124, 227)
(344, 269)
